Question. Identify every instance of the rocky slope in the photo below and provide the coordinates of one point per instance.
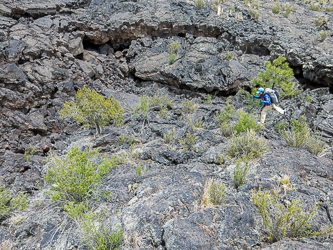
(50, 49)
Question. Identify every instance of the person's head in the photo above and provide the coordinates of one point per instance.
(260, 91)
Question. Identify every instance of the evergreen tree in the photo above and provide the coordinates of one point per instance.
(277, 75)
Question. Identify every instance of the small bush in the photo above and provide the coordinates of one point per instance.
(229, 55)
(174, 47)
(76, 176)
(199, 3)
(169, 137)
(9, 203)
(329, 8)
(172, 58)
(188, 142)
(241, 170)
(189, 106)
(217, 193)
(197, 123)
(276, 8)
(320, 20)
(247, 144)
(291, 220)
(161, 100)
(281, 126)
(227, 129)
(323, 35)
(96, 231)
(245, 121)
(287, 8)
(299, 133)
(139, 170)
(315, 145)
(31, 150)
(142, 109)
(208, 100)
(226, 114)
(315, 6)
(90, 108)
(130, 139)
(254, 14)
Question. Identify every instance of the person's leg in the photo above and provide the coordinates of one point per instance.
(263, 113)
(278, 109)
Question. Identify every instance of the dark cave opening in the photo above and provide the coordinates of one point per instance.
(106, 48)
(307, 83)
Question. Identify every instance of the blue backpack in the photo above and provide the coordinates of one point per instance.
(273, 94)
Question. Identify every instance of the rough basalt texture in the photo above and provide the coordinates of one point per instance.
(50, 49)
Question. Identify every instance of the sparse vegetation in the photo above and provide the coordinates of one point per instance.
(320, 20)
(90, 108)
(199, 3)
(323, 35)
(173, 50)
(226, 114)
(130, 139)
(227, 129)
(282, 125)
(229, 55)
(247, 144)
(208, 100)
(76, 176)
(315, 6)
(276, 8)
(195, 123)
(291, 220)
(241, 170)
(10, 203)
(254, 14)
(189, 106)
(142, 109)
(214, 193)
(188, 142)
(31, 150)
(246, 121)
(169, 136)
(141, 170)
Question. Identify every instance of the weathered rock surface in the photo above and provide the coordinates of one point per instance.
(50, 49)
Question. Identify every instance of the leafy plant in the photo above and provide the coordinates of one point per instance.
(76, 176)
(130, 139)
(197, 123)
(247, 144)
(189, 106)
(173, 49)
(277, 75)
(299, 133)
(315, 145)
(9, 203)
(226, 114)
(329, 8)
(188, 142)
(281, 126)
(287, 8)
(308, 98)
(291, 220)
(320, 20)
(209, 99)
(90, 108)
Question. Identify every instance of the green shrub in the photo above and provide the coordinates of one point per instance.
(197, 123)
(329, 8)
(142, 109)
(277, 75)
(9, 203)
(229, 55)
(208, 100)
(28, 152)
(139, 170)
(189, 106)
(90, 108)
(323, 35)
(217, 193)
(247, 144)
(226, 114)
(169, 137)
(245, 121)
(299, 133)
(188, 142)
(254, 14)
(96, 231)
(241, 170)
(76, 176)
(281, 126)
(161, 100)
(315, 6)
(287, 8)
(174, 47)
(320, 20)
(130, 139)
(315, 145)
(172, 58)
(255, 5)
(227, 129)
(199, 3)
(276, 8)
(291, 220)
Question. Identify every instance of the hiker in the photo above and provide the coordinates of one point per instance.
(266, 99)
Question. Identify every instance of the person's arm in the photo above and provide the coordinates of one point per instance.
(267, 99)
(256, 96)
